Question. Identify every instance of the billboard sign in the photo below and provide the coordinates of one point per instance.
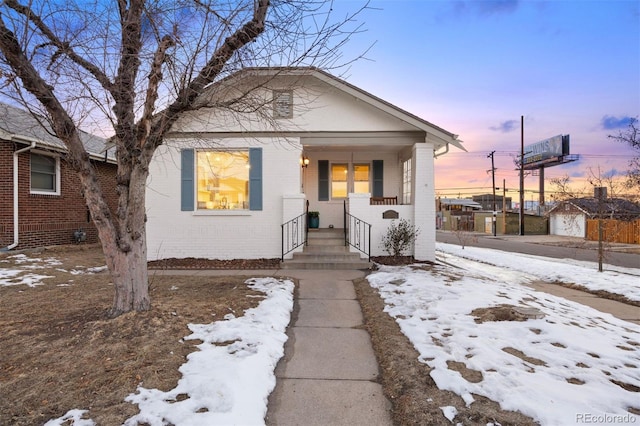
(547, 150)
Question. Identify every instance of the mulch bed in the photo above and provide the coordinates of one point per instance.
(199, 263)
(196, 263)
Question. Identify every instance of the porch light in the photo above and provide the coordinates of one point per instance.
(304, 162)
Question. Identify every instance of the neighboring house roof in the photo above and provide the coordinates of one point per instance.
(464, 202)
(21, 126)
(616, 208)
(443, 136)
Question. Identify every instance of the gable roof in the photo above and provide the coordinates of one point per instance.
(21, 126)
(444, 136)
(617, 208)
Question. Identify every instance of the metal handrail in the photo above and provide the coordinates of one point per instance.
(357, 234)
(294, 234)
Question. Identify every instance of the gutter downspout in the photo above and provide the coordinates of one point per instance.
(15, 194)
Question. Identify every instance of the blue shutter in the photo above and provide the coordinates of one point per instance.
(378, 181)
(187, 165)
(323, 180)
(255, 178)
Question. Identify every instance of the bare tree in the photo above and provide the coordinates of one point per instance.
(631, 137)
(136, 66)
(604, 202)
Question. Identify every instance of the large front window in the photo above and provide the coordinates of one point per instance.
(223, 180)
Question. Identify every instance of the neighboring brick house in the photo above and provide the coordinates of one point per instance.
(50, 203)
(227, 184)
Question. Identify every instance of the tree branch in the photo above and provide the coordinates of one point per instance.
(155, 77)
(244, 35)
(62, 46)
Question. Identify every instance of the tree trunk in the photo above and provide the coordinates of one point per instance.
(130, 278)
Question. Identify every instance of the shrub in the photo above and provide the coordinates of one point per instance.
(399, 237)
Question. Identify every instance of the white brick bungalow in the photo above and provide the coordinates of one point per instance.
(227, 179)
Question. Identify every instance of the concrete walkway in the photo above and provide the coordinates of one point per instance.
(619, 310)
(329, 371)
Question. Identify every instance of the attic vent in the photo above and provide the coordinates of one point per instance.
(283, 103)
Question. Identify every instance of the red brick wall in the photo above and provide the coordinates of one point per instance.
(46, 220)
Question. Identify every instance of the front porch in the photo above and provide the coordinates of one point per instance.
(376, 180)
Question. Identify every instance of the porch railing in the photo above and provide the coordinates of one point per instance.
(357, 233)
(294, 233)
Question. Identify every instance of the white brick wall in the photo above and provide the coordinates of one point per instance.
(220, 234)
(359, 207)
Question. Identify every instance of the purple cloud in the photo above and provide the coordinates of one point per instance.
(609, 122)
(506, 126)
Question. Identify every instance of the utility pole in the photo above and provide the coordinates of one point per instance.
(522, 175)
(504, 206)
(493, 180)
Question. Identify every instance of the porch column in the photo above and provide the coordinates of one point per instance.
(424, 202)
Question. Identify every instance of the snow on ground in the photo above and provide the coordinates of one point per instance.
(20, 273)
(614, 279)
(575, 365)
(228, 381)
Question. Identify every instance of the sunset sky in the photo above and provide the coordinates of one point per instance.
(475, 67)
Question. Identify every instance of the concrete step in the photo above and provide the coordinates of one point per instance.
(325, 241)
(326, 233)
(302, 264)
(329, 249)
(325, 249)
(327, 257)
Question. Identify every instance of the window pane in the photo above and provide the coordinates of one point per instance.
(43, 182)
(361, 179)
(223, 180)
(361, 187)
(339, 176)
(43, 173)
(406, 182)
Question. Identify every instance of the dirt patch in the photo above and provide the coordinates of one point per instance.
(523, 356)
(58, 350)
(497, 313)
(415, 398)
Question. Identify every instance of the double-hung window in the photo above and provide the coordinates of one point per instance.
(344, 180)
(339, 180)
(361, 179)
(45, 174)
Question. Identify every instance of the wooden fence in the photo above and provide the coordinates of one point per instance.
(615, 231)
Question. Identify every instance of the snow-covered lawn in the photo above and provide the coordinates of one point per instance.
(226, 382)
(17, 269)
(575, 365)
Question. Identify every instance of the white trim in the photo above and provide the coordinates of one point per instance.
(221, 212)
